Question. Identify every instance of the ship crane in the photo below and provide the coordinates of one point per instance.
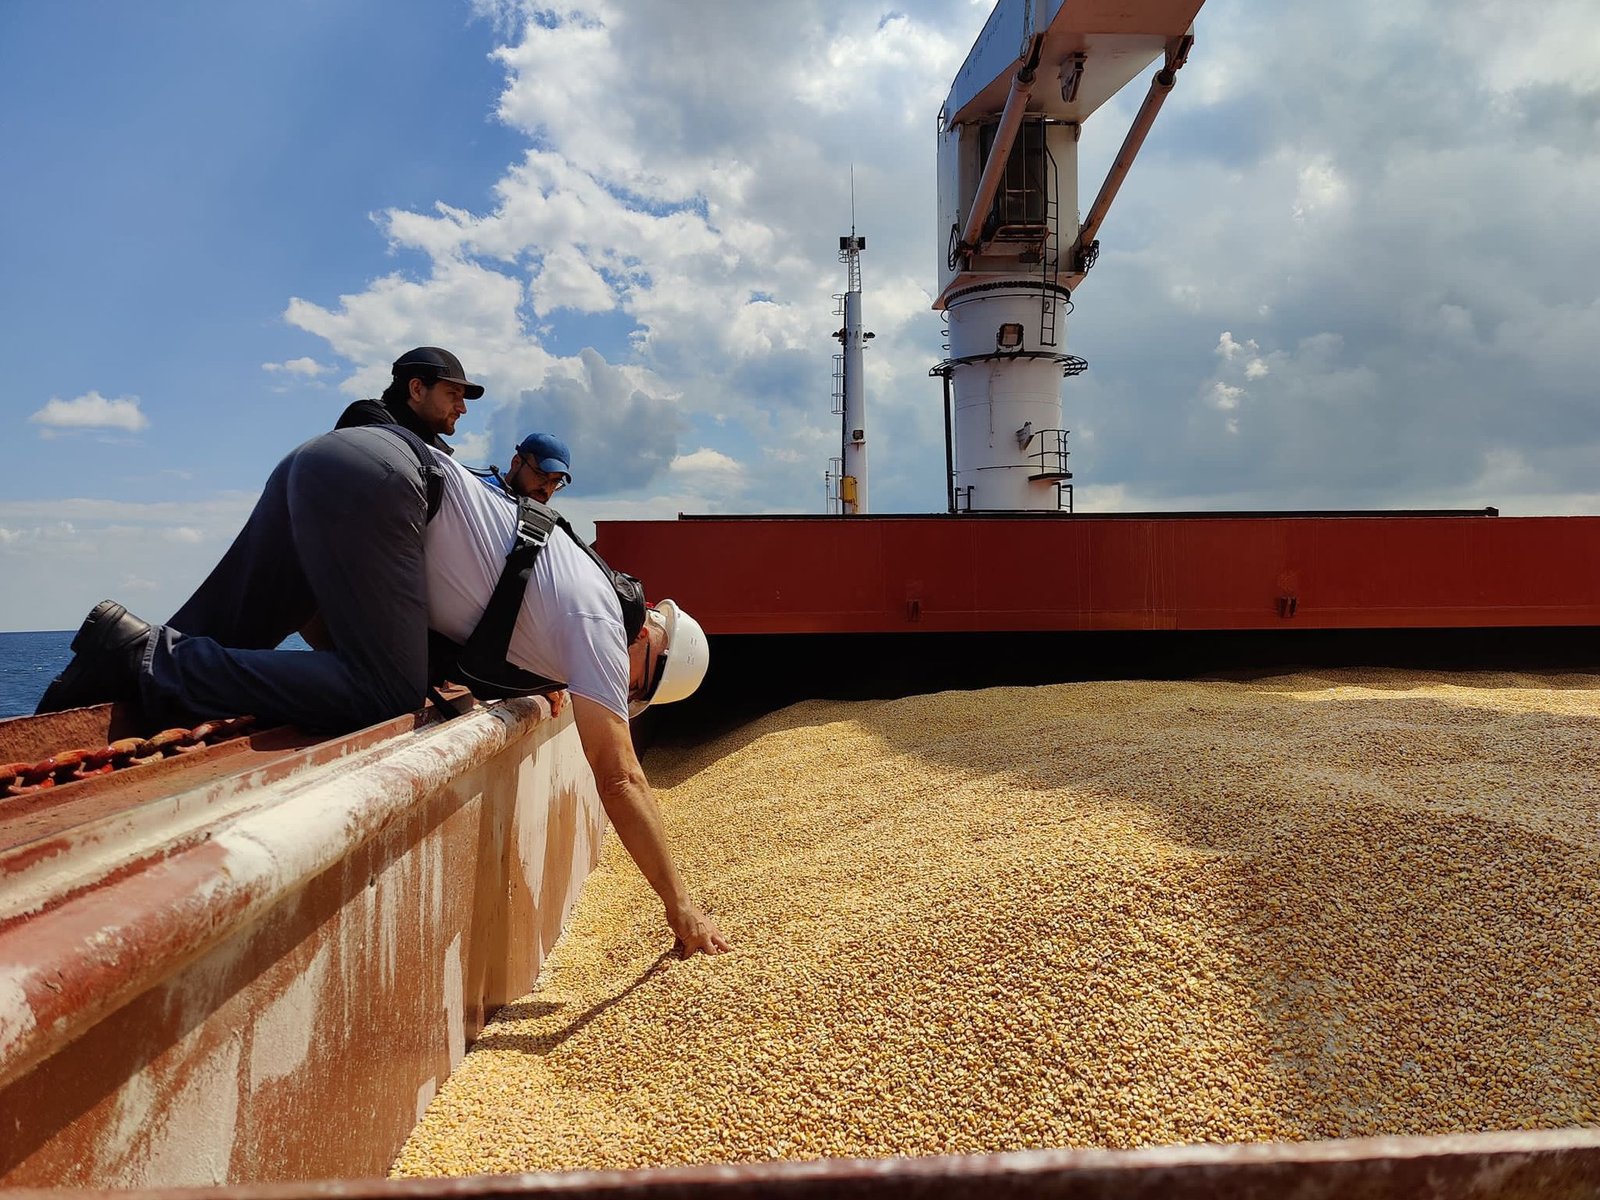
(1013, 249)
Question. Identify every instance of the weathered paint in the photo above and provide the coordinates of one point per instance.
(265, 977)
(1558, 1165)
(455, 1025)
(281, 1041)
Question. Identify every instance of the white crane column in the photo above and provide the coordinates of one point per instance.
(1012, 249)
(853, 476)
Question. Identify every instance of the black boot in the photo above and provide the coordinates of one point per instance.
(108, 651)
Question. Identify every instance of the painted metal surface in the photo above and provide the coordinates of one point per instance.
(1003, 407)
(994, 572)
(32, 737)
(1120, 38)
(1011, 248)
(1065, 60)
(1560, 1165)
(266, 977)
(853, 435)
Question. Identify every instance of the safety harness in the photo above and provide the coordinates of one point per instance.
(432, 472)
(481, 664)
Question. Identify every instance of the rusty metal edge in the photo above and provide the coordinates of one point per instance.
(1558, 1163)
(50, 993)
(191, 804)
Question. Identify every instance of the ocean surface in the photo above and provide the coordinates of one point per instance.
(29, 661)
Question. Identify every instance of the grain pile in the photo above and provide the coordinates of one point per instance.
(1108, 914)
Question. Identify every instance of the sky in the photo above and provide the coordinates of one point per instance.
(1355, 266)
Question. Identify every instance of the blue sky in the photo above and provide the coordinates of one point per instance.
(1354, 266)
(185, 168)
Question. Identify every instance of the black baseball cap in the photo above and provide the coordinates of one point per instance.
(441, 364)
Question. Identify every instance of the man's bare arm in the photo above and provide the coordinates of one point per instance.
(636, 817)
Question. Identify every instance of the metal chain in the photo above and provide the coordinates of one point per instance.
(68, 766)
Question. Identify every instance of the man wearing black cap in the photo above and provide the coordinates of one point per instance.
(428, 396)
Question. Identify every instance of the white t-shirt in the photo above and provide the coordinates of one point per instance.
(570, 626)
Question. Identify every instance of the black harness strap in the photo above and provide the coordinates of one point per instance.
(432, 472)
(482, 663)
(433, 488)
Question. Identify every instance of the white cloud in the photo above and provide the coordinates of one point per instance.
(1561, 46)
(704, 214)
(467, 307)
(1408, 294)
(706, 461)
(479, 448)
(876, 68)
(306, 368)
(1321, 189)
(1225, 396)
(654, 280)
(566, 280)
(91, 411)
(1228, 349)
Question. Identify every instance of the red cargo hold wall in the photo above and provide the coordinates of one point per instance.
(1192, 572)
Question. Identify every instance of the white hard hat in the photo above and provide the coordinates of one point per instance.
(686, 657)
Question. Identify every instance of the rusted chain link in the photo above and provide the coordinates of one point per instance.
(67, 766)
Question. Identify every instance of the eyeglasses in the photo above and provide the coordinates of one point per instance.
(554, 479)
(653, 673)
(654, 681)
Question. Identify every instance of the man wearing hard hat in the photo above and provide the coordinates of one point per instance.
(569, 625)
(386, 537)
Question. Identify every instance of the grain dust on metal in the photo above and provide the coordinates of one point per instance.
(1098, 914)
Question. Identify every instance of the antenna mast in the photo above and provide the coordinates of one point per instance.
(849, 395)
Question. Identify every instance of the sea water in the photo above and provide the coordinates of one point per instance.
(28, 662)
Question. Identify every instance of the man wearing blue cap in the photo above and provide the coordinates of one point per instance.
(540, 468)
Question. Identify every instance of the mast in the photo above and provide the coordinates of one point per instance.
(853, 430)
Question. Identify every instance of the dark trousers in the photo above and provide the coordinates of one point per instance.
(338, 531)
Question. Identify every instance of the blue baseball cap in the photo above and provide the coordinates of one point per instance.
(548, 453)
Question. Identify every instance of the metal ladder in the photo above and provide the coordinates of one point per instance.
(830, 485)
(1049, 254)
